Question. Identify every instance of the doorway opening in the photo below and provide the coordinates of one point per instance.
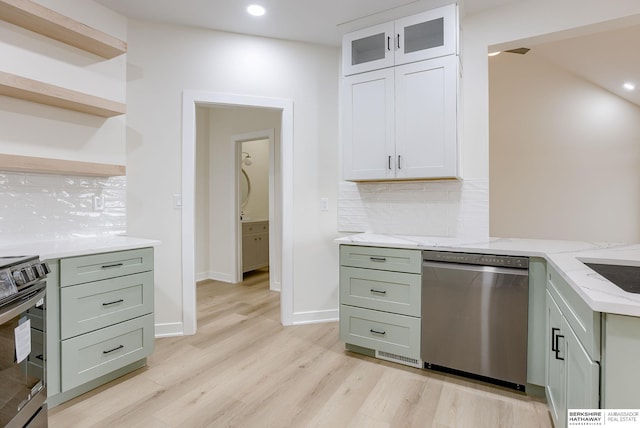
(281, 259)
(255, 220)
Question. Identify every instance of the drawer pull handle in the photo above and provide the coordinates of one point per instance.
(40, 357)
(378, 259)
(378, 291)
(377, 332)
(113, 303)
(115, 265)
(113, 350)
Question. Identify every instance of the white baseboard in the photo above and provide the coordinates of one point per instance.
(275, 286)
(214, 276)
(314, 317)
(170, 329)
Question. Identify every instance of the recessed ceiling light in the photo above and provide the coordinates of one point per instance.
(629, 86)
(256, 10)
(494, 53)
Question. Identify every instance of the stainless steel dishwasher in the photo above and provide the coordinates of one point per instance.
(474, 316)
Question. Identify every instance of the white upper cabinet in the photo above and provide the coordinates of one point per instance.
(369, 126)
(401, 122)
(426, 118)
(418, 37)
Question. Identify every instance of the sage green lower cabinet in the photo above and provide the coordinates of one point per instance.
(573, 351)
(620, 359)
(390, 333)
(100, 320)
(89, 356)
(380, 302)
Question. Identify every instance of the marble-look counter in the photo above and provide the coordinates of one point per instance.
(48, 250)
(565, 256)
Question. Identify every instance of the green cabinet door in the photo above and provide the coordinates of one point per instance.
(582, 374)
(555, 386)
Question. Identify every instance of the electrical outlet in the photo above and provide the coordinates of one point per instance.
(98, 202)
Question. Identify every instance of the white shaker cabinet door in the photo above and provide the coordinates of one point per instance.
(426, 119)
(583, 374)
(368, 126)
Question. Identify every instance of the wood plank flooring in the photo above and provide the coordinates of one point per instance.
(243, 369)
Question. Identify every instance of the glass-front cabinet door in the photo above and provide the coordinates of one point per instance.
(418, 37)
(368, 49)
(426, 35)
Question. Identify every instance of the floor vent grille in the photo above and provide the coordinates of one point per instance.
(413, 362)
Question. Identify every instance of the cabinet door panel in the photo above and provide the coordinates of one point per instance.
(426, 134)
(369, 126)
(426, 35)
(556, 390)
(368, 49)
(583, 374)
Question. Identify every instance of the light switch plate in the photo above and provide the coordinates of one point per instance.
(324, 204)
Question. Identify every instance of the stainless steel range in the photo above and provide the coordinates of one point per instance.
(22, 342)
(474, 315)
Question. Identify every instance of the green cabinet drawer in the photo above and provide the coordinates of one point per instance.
(382, 331)
(92, 355)
(88, 307)
(582, 319)
(395, 292)
(96, 267)
(391, 259)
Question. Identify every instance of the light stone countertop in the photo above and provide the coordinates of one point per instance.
(61, 248)
(565, 256)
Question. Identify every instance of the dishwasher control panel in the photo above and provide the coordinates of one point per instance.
(476, 259)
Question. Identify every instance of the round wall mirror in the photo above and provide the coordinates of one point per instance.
(245, 188)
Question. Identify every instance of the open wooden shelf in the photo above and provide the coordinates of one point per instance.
(44, 93)
(58, 166)
(49, 23)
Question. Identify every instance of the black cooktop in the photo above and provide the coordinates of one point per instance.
(625, 277)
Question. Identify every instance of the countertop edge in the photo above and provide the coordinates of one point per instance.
(63, 248)
(597, 292)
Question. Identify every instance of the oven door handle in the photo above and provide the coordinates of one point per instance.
(475, 268)
(21, 306)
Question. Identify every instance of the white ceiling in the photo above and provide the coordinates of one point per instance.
(606, 59)
(302, 20)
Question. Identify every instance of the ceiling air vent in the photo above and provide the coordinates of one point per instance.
(520, 51)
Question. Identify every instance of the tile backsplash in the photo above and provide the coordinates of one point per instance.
(452, 208)
(44, 207)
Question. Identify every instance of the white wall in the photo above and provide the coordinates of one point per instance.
(164, 60)
(565, 158)
(516, 21)
(32, 129)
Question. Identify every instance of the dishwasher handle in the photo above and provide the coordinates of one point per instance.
(476, 268)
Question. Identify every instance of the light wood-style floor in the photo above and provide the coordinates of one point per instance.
(243, 369)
